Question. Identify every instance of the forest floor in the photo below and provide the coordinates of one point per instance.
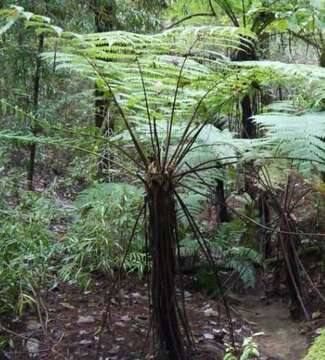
(74, 317)
(282, 336)
(71, 326)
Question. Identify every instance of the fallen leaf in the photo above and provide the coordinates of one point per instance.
(67, 305)
(85, 319)
(85, 342)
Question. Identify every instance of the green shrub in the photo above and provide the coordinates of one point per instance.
(249, 350)
(99, 237)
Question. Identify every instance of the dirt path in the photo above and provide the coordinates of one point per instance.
(282, 339)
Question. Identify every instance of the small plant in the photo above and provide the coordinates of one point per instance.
(249, 350)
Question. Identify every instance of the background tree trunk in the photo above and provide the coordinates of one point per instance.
(322, 58)
(36, 129)
(220, 201)
(264, 211)
(105, 20)
(248, 126)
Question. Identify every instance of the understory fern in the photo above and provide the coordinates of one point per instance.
(229, 254)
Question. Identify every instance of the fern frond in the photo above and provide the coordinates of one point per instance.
(297, 70)
(41, 24)
(298, 136)
(102, 194)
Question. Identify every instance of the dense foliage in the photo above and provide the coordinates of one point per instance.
(159, 138)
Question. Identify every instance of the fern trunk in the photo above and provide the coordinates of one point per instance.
(163, 242)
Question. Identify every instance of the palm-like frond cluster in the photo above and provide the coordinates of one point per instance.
(300, 137)
(117, 56)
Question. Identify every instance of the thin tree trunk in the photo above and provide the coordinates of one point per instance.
(322, 57)
(248, 126)
(105, 20)
(220, 200)
(265, 215)
(322, 64)
(36, 128)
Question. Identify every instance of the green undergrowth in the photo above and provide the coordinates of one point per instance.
(100, 236)
(28, 250)
(317, 350)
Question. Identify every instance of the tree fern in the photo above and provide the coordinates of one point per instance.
(115, 55)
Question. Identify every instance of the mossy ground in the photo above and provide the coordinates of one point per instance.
(317, 350)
